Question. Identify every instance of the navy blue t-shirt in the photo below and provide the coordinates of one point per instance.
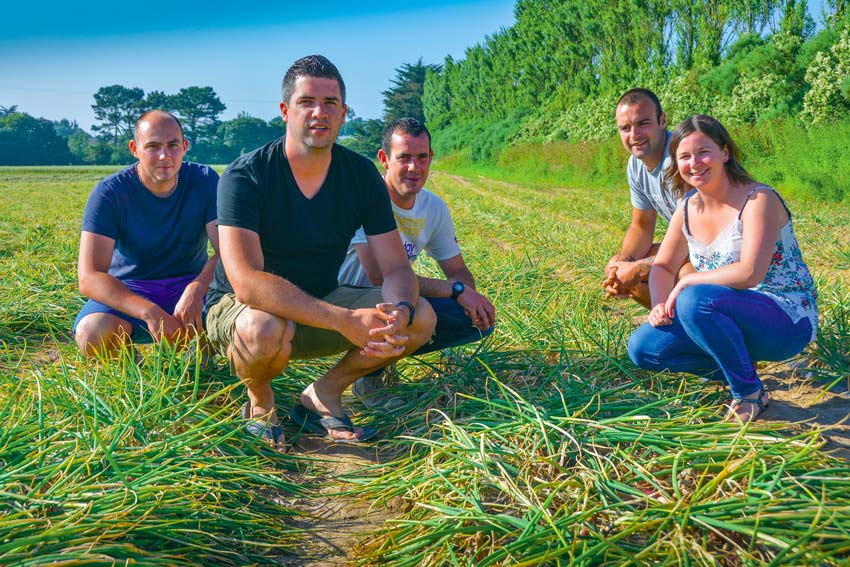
(303, 240)
(155, 237)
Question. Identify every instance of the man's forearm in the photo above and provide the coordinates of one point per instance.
(205, 277)
(276, 295)
(110, 291)
(401, 285)
(645, 265)
(432, 287)
(637, 243)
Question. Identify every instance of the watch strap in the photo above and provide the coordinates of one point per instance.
(410, 308)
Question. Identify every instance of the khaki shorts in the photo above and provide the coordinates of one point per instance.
(309, 342)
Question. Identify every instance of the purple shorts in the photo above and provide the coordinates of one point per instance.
(165, 293)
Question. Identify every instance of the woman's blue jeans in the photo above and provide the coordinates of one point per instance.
(719, 332)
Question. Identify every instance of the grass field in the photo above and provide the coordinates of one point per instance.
(544, 446)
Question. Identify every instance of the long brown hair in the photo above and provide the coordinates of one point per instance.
(718, 134)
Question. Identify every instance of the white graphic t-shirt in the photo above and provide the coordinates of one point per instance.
(426, 227)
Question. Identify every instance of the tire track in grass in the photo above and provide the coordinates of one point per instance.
(568, 260)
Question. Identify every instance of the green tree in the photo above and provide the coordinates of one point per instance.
(436, 98)
(199, 109)
(8, 110)
(158, 100)
(404, 97)
(245, 133)
(116, 108)
(365, 137)
(65, 127)
(25, 140)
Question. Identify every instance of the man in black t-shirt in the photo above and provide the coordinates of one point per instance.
(286, 213)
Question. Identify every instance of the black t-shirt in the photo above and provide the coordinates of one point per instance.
(303, 240)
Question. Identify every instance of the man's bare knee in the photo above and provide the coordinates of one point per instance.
(423, 325)
(262, 335)
(100, 333)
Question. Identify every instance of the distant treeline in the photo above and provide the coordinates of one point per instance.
(556, 74)
(27, 140)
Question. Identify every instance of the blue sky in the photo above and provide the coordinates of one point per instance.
(55, 55)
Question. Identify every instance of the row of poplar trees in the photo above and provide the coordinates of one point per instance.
(557, 71)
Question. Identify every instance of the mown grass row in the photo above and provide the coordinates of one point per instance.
(115, 462)
(586, 468)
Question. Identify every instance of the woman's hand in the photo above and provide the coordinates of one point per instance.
(658, 316)
(670, 304)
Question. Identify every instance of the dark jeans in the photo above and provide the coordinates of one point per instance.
(719, 331)
(454, 328)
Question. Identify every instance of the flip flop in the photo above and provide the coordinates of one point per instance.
(270, 432)
(314, 423)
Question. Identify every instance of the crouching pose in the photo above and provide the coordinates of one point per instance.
(143, 249)
(425, 224)
(287, 212)
(752, 297)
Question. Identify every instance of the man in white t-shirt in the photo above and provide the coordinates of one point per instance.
(425, 225)
(643, 130)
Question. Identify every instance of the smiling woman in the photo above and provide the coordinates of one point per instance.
(752, 296)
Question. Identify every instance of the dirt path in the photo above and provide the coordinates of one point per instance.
(334, 523)
(802, 402)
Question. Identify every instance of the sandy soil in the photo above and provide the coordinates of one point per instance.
(802, 402)
(334, 524)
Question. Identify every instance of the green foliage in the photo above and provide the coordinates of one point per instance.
(404, 97)
(363, 136)
(562, 66)
(243, 134)
(828, 98)
(116, 108)
(810, 162)
(198, 108)
(25, 140)
(480, 140)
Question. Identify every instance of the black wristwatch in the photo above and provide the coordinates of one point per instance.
(410, 308)
(457, 289)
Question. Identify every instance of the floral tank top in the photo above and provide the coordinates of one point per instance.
(788, 281)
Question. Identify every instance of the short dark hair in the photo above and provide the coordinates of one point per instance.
(147, 114)
(310, 66)
(712, 128)
(632, 96)
(407, 125)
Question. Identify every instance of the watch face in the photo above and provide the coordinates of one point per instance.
(457, 289)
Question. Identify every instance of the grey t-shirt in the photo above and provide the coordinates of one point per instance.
(647, 187)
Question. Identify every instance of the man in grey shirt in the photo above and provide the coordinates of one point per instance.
(643, 130)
